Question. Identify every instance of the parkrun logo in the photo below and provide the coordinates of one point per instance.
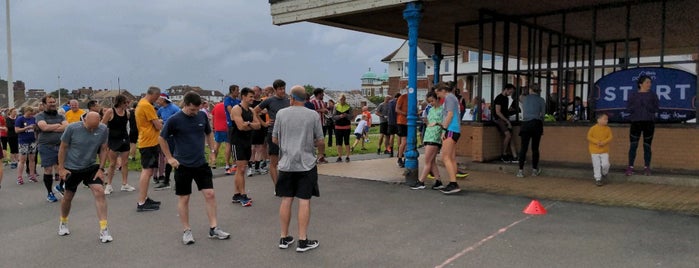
(676, 91)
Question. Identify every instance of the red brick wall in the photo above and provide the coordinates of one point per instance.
(674, 146)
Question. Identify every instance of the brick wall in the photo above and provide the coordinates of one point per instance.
(674, 146)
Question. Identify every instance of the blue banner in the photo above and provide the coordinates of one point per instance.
(676, 90)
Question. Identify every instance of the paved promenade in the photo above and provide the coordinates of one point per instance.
(362, 221)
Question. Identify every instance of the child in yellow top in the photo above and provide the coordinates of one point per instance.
(599, 136)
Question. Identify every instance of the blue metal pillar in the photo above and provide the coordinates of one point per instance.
(412, 14)
(437, 58)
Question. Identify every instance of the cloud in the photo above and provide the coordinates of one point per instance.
(164, 43)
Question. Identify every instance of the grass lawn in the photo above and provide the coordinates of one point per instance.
(331, 152)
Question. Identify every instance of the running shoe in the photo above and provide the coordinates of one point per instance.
(599, 182)
(461, 174)
(105, 237)
(536, 172)
(250, 172)
(245, 201)
(32, 178)
(187, 237)
(108, 189)
(451, 188)
(338, 160)
(347, 159)
(306, 245)
(59, 188)
(520, 174)
(63, 229)
(437, 185)
(162, 186)
(51, 198)
(285, 242)
(322, 160)
(147, 207)
(418, 185)
(20, 181)
(151, 201)
(629, 171)
(261, 171)
(219, 234)
(127, 188)
(646, 171)
(236, 198)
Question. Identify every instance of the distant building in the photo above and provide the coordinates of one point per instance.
(106, 97)
(177, 93)
(36, 93)
(374, 85)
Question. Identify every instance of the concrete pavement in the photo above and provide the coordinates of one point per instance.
(359, 223)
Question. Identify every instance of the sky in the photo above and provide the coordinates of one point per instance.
(207, 43)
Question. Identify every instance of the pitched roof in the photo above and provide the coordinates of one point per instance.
(425, 47)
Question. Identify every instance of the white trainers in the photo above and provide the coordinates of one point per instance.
(127, 188)
(219, 234)
(105, 237)
(250, 172)
(63, 229)
(108, 189)
(187, 237)
(520, 174)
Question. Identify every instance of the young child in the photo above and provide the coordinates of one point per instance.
(359, 132)
(599, 136)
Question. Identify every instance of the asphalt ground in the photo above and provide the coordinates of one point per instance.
(359, 223)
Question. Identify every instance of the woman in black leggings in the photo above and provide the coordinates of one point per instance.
(643, 105)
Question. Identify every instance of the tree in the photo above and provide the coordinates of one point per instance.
(376, 99)
(311, 88)
(64, 94)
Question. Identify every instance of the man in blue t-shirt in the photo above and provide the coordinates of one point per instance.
(228, 103)
(167, 109)
(187, 130)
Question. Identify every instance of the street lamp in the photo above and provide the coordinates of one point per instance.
(10, 88)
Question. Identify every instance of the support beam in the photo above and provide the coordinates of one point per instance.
(413, 15)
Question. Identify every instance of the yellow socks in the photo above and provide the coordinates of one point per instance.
(64, 220)
(103, 224)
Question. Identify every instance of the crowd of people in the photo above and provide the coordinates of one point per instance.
(262, 131)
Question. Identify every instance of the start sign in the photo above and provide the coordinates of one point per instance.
(676, 90)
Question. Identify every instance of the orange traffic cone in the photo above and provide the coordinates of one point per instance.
(535, 208)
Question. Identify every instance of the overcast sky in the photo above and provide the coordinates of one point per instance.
(165, 43)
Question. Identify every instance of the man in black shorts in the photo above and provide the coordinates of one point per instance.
(80, 143)
(187, 130)
(273, 104)
(259, 148)
(501, 113)
(298, 132)
(245, 120)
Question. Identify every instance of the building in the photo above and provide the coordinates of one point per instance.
(177, 93)
(106, 97)
(36, 93)
(374, 85)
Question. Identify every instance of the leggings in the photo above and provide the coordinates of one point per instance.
(647, 128)
(328, 130)
(530, 130)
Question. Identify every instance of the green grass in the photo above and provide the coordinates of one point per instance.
(371, 147)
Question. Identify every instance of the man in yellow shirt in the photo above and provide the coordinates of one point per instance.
(149, 126)
(75, 113)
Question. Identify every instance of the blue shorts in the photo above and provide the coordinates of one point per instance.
(48, 154)
(221, 136)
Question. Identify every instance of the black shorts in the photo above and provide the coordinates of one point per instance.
(383, 128)
(118, 145)
(14, 144)
(342, 137)
(184, 176)
(402, 130)
(358, 136)
(86, 176)
(259, 136)
(392, 129)
(242, 152)
(272, 148)
(502, 126)
(453, 135)
(302, 184)
(429, 143)
(149, 157)
(133, 136)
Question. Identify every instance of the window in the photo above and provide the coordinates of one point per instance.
(447, 66)
(421, 68)
(473, 56)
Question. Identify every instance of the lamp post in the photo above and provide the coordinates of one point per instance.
(10, 88)
(59, 90)
(413, 15)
